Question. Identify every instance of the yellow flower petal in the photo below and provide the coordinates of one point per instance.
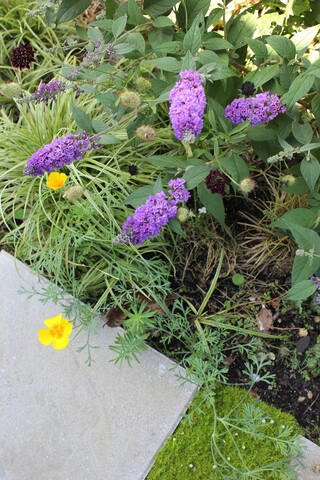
(60, 343)
(67, 327)
(45, 336)
(54, 321)
(56, 180)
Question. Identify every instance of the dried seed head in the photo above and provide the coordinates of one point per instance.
(73, 193)
(288, 180)
(247, 185)
(248, 89)
(145, 133)
(130, 99)
(143, 85)
(303, 332)
(11, 90)
(183, 214)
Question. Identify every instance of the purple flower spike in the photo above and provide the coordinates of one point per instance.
(148, 219)
(61, 151)
(261, 108)
(187, 104)
(47, 91)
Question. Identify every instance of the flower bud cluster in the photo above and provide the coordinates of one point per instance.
(286, 154)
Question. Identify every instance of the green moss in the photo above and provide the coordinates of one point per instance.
(264, 453)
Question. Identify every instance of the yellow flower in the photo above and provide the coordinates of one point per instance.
(56, 180)
(57, 333)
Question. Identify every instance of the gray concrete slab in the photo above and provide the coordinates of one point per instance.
(60, 419)
(310, 470)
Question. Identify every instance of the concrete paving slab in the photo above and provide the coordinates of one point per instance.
(310, 470)
(60, 419)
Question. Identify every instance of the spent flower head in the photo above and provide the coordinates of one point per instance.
(130, 99)
(187, 105)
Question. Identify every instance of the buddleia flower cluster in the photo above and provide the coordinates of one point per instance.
(61, 151)
(260, 108)
(187, 105)
(316, 281)
(149, 218)
(46, 92)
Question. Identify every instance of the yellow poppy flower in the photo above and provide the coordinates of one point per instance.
(56, 180)
(57, 333)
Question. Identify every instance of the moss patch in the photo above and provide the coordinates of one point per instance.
(263, 453)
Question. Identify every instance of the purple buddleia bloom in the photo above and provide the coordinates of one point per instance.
(316, 281)
(178, 190)
(61, 151)
(187, 104)
(261, 108)
(47, 91)
(93, 59)
(149, 218)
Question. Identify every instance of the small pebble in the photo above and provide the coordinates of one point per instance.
(301, 399)
(310, 395)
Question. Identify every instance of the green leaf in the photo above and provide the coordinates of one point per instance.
(298, 89)
(300, 6)
(139, 196)
(315, 106)
(137, 41)
(282, 45)
(260, 77)
(157, 7)
(82, 119)
(301, 290)
(235, 166)
(238, 279)
(192, 8)
(70, 9)
(99, 125)
(119, 25)
(303, 268)
(195, 175)
(175, 226)
(260, 133)
(158, 187)
(213, 203)
(165, 161)
(123, 48)
(217, 71)
(258, 47)
(217, 42)
(310, 170)
(300, 216)
(306, 238)
(192, 39)
(214, 16)
(168, 64)
(241, 28)
(188, 62)
(303, 39)
(302, 133)
(108, 139)
(135, 16)
(161, 22)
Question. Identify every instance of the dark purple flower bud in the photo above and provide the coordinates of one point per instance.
(217, 182)
(248, 89)
(22, 56)
(133, 169)
(261, 108)
(187, 104)
(61, 151)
